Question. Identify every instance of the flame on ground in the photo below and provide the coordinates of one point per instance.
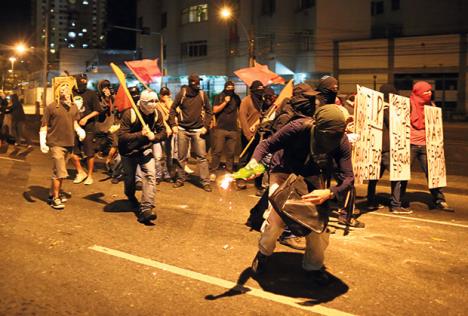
(224, 184)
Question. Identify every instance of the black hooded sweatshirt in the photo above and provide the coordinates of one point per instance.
(195, 110)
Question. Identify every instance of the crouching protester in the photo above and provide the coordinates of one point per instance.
(299, 148)
(135, 146)
(57, 136)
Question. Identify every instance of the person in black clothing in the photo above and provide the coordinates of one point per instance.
(193, 122)
(226, 132)
(327, 89)
(136, 148)
(297, 148)
(398, 187)
(18, 121)
(89, 107)
(3, 106)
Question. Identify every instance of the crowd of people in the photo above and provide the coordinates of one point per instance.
(309, 135)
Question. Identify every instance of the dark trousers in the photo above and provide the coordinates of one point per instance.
(398, 187)
(146, 162)
(223, 141)
(419, 152)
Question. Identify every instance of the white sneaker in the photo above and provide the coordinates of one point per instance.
(212, 177)
(80, 177)
(88, 181)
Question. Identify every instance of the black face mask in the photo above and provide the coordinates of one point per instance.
(327, 96)
(228, 92)
(195, 85)
(82, 86)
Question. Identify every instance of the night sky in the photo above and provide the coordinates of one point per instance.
(15, 23)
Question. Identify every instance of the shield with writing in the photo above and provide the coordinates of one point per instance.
(400, 149)
(437, 176)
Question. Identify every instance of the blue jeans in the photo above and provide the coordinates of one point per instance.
(398, 187)
(198, 148)
(419, 152)
(146, 162)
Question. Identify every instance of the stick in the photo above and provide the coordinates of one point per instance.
(121, 77)
(247, 146)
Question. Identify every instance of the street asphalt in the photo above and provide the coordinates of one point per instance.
(94, 258)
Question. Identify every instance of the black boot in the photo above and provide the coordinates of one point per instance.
(259, 263)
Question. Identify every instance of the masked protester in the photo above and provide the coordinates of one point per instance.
(89, 107)
(192, 125)
(421, 96)
(57, 136)
(300, 147)
(136, 148)
(225, 134)
(249, 114)
(328, 90)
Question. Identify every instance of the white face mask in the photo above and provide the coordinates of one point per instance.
(148, 107)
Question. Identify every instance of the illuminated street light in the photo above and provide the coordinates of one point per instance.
(20, 48)
(226, 13)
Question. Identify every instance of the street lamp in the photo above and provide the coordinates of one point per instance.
(226, 13)
(12, 59)
(20, 48)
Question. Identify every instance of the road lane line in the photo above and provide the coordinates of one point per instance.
(12, 159)
(420, 220)
(322, 310)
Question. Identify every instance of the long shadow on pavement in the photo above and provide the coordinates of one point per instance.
(119, 206)
(284, 276)
(38, 192)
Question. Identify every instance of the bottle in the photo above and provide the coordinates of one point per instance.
(249, 172)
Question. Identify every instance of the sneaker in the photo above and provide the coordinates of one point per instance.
(319, 277)
(207, 188)
(259, 263)
(342, 220)
(400, 210)
(374, 207)
(297, 243)
(57, 204)
(178, 184)
(62, 198)
(212, 177)
(88, 181)
(147, 216)
(80, 178)
(443, 206)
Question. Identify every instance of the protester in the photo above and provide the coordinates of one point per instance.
(225, 108)
(328, 90)
(249, 114)
(398, 187)
(18, 121)
(421, 96)
(89, 107)
(163, 150)
(3, 106)
(299, 148)
(57, 135)
(136, 148)
(193, 122)
(106, 119)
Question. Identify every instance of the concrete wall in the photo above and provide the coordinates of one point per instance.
(363, 54)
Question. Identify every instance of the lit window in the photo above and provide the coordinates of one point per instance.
(71, 34)
(52, 51)
(52, 44)
(101, 37)
(84, 30)
(85, 45)
(85, 2)
(196, 13)
(72, 23)
(80, 34)
(71, 45)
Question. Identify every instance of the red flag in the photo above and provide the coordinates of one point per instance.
(121, 101)
(146, 70)
(258, 72)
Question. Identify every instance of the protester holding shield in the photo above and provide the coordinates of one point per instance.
(421, 96)
(305, 147)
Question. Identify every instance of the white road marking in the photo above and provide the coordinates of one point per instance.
(220, 282)
(420, 219)
(12, 159)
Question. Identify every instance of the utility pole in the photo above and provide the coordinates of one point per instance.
(46, 55)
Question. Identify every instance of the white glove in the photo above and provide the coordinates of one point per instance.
(81, 133)
(43, 141)
(203, 131)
